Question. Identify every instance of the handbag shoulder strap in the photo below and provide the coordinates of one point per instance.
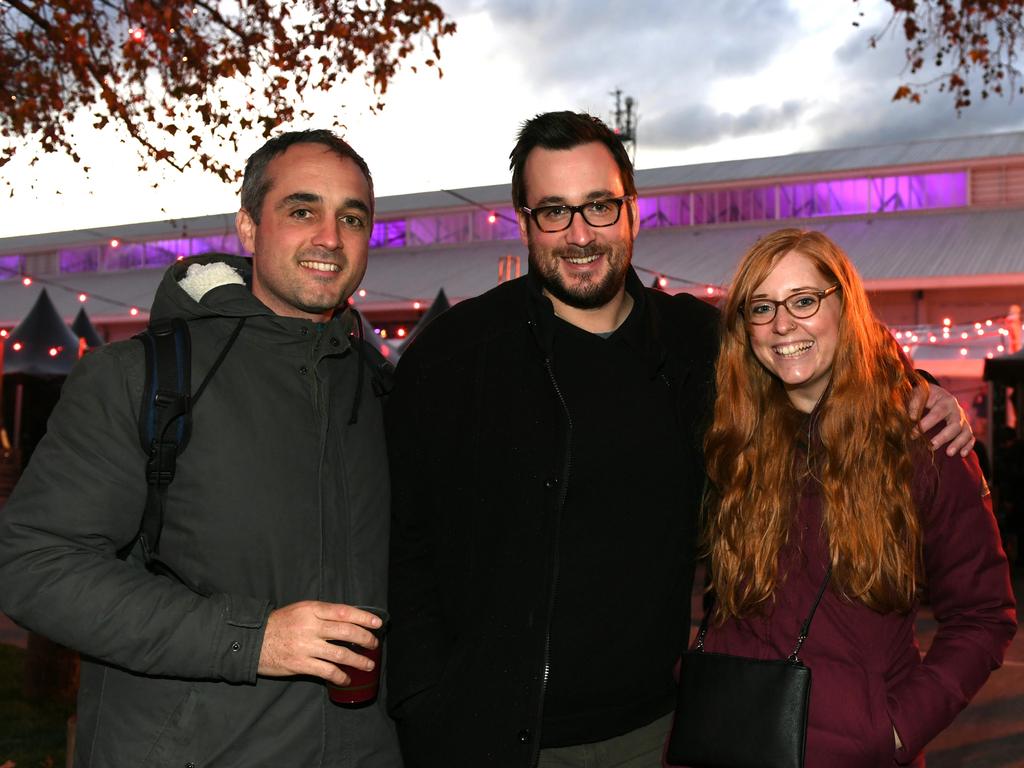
(805, 628)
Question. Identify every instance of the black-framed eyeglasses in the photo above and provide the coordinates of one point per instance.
(597, 213)
(800, 305)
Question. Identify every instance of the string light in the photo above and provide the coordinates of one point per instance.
(362, 293)
(416, 305)
(26, 281)
(16, 346)
(134, 311)
(400, 333)
(54, 351)
(82, 297)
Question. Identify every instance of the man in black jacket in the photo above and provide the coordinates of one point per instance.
(545, 443)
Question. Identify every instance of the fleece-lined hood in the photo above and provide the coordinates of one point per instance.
(222, 289)
(232, 299)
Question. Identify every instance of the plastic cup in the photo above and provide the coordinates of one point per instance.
(362, 686)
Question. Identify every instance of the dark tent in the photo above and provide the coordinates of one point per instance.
(374, 340)
(38, 355)
(42, 345)
(1008, 370)
(440, 305)
(83, 328)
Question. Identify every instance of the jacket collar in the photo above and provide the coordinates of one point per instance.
(639, 330)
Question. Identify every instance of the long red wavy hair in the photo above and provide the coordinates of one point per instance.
(863, 450)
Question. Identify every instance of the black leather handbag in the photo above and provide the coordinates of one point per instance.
(735, 712)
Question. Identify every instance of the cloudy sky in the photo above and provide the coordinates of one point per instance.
(713, 80)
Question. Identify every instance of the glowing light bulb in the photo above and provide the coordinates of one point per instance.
(947, 322)
(53, 351)
(82, 297)
(114, 242)
(134, 311)
(362, 293)
(26, 281)
(963, 351)
(492, 217)
(16, 346)
(401, 333)
(416, 305)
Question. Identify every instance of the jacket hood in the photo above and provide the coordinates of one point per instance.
(231, 300)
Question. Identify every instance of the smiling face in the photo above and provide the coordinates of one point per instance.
(799, 352)
(583, 267)
(310, 245)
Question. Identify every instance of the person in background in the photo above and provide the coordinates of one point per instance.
(816, 473)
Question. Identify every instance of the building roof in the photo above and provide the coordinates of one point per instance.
(930, 152)
(840, 161)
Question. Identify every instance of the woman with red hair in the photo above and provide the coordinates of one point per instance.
(813, 465)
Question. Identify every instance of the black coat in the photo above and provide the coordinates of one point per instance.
(479, 443)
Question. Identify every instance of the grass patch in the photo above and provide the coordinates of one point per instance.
(32, 734)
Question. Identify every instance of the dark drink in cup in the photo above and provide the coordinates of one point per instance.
(362, 686)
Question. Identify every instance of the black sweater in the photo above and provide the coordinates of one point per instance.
(624, 543)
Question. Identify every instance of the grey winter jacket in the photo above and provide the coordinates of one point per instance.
(278, 498)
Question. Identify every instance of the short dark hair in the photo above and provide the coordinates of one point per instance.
(255, 183)
(565, 130)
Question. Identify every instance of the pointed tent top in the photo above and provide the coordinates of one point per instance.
(83, 328)
(440, 305)
(41, 332)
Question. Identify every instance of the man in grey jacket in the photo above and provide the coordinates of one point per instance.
(277, 518)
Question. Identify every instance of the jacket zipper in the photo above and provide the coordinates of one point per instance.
(562, 491)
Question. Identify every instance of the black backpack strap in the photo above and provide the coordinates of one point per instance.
(164, 418)
(165, 425)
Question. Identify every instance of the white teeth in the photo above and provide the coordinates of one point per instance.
(796, 348)
(320, 266)
(581, 260)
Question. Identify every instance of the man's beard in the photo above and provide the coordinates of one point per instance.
(582, 292)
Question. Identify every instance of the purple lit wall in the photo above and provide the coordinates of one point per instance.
(843, 197)
(10, 267)
(775, 202)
